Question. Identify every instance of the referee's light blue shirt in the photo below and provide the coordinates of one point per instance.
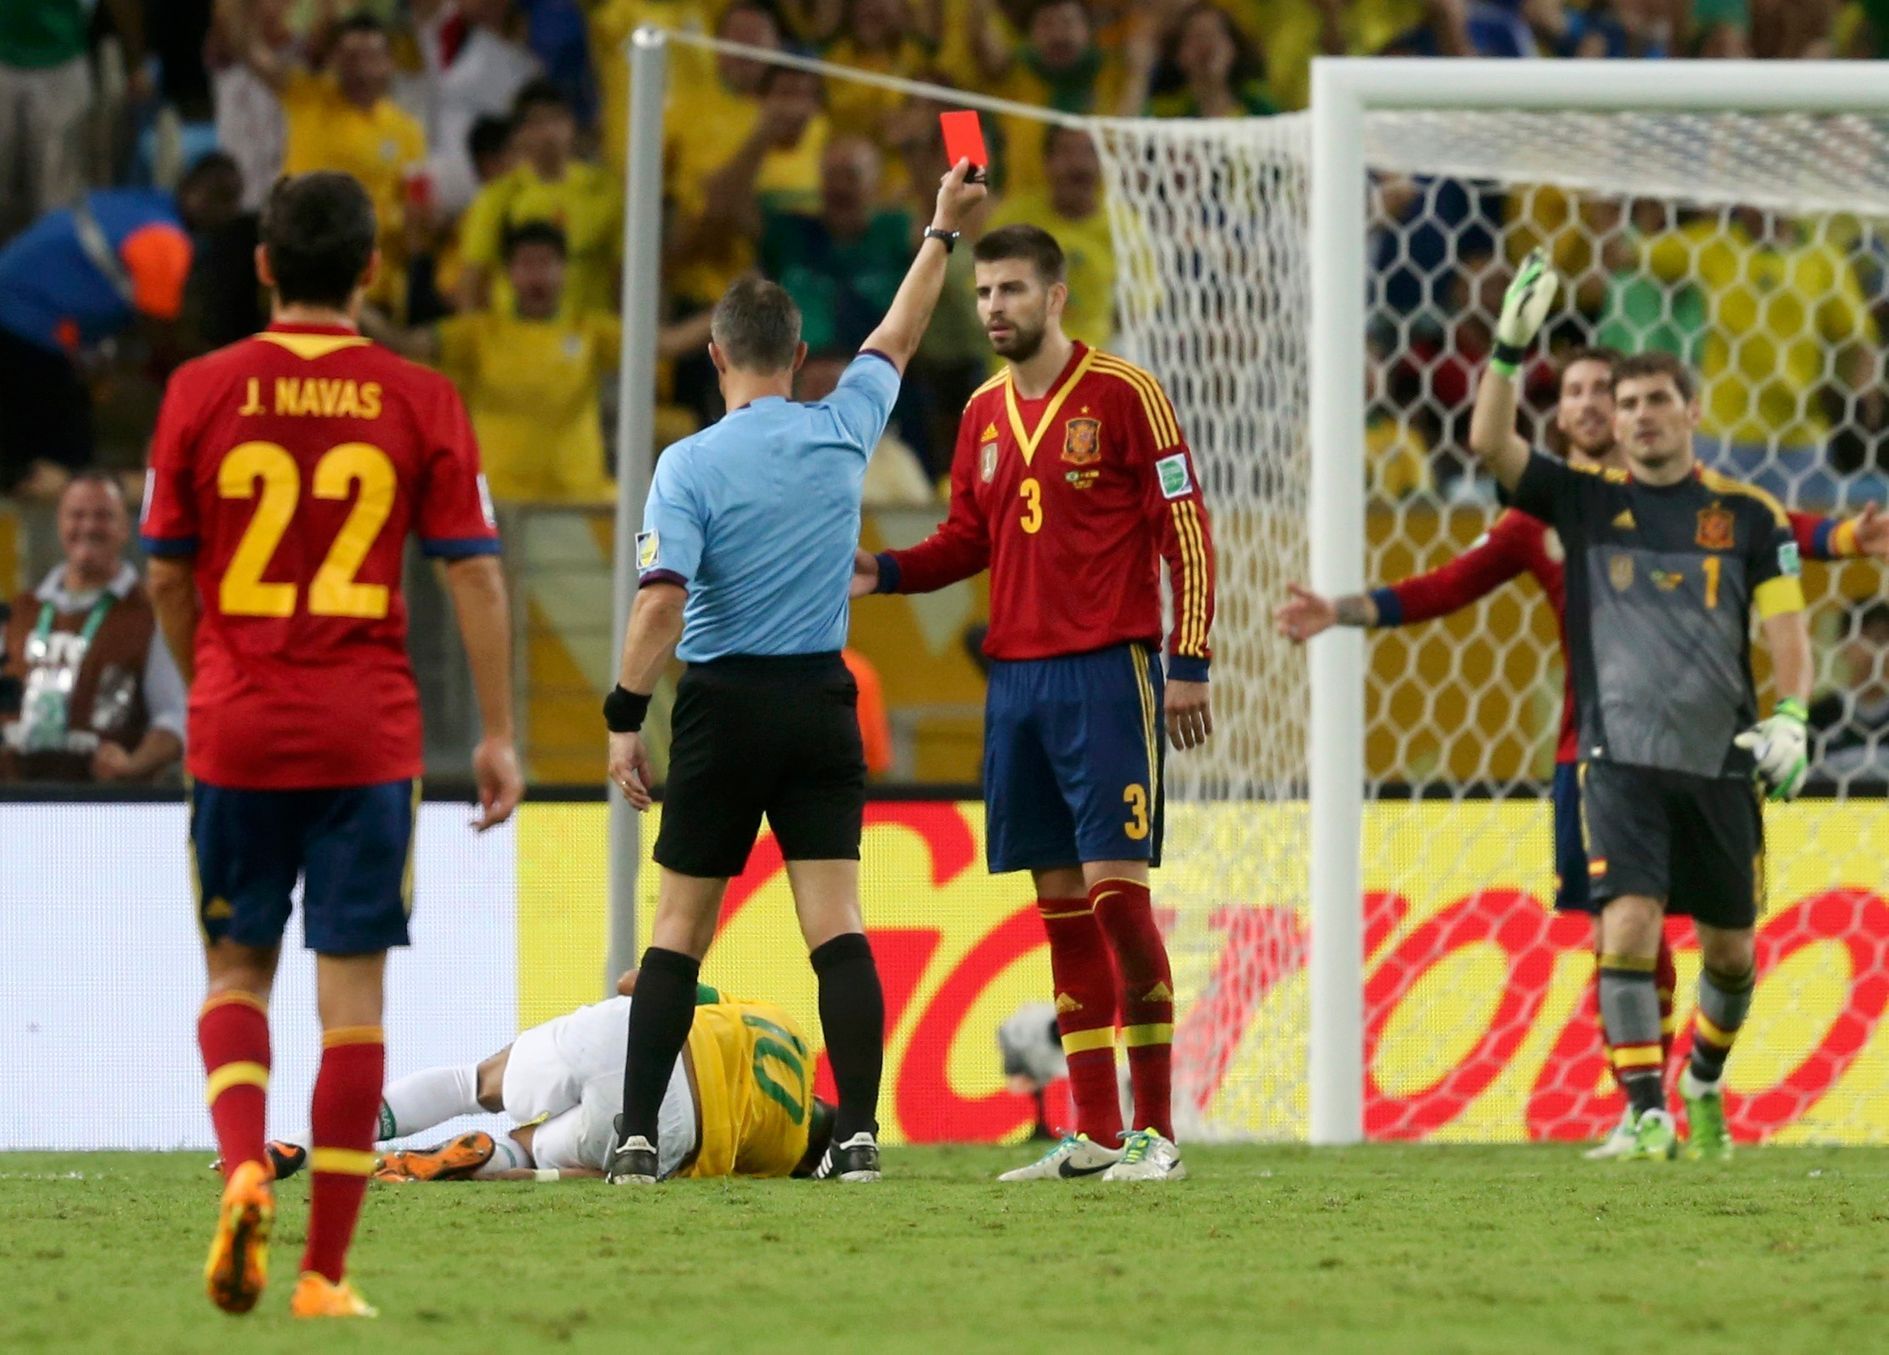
(758, 517)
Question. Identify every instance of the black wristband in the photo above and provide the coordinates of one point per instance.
(1511, 353)
(623, 711)
(950, 238)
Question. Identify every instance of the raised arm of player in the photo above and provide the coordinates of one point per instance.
(1499, 556)
(905, 321)
(1177, 514)
(1822, 538)
(1492, 435)
(957, 550)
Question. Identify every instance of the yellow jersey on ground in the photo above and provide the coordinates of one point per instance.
(753, 1068)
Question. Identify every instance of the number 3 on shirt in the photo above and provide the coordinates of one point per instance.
(333, 591)
(1032, 495)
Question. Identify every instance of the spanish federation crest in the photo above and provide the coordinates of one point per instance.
(1715, 528)
(1082, 442)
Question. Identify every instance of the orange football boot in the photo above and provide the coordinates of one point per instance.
(454, 1160)
(318, 1296)
(239, 1254)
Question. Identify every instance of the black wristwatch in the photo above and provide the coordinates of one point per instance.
(950, 238)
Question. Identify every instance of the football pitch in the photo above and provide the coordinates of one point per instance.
(1398, 1249)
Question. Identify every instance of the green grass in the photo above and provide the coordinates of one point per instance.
(1395, 1249)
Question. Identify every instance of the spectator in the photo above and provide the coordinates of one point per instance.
(1069, 206)
(556, 33)
(79, 276)
(877, 37)
(547, 183)
(1208, 68)
(1640, 312)
(1597, 29)
(692, 71)
(843, 264)
(531, 380)
(1441, 27)
(45, 95)
(1786, 312)
(250, 125)
(476, 63)
(343, 119)
(1851, 725)
(895, 477)
(1061, 66)
(100, 697)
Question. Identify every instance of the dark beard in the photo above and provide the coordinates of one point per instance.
(1024, 345)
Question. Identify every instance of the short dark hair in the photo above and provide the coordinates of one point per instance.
(361, 21)
(489, 136)
(536, 233)
(540, 93)
(1656, 364)
(756, 326)
(318, 231)
(1609, 358)
(1023, 241)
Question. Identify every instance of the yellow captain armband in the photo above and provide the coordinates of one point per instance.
(1775, 597)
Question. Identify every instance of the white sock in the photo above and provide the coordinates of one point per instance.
(506, 1156)
(421, 1100)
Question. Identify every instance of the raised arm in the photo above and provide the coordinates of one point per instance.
(898, 335)
(1492, 435)
(1825, 538)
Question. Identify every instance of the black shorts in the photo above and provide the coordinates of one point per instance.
(1696, 843)
(754, 736)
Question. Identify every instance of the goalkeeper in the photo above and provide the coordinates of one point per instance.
(1516, 544)
(1665, 560)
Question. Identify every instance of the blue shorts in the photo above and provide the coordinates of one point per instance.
(352, 847)
(1072, 760)
(1570, 852)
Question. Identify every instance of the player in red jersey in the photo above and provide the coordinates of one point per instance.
(286, 473)
(1071, 483)
(1518, 544)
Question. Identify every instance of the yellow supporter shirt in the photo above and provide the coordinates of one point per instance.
(719, 121)
(531, 388)
(587, 203)
(611, 23)
(377, 145)
(1024, 137)
(1289, 31)
(1089, 251)
(1777, 312)
(864, 110)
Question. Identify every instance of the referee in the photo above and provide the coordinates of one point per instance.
(746, 557)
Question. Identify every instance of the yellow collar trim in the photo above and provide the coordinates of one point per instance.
(1026, 442)
(308, 347)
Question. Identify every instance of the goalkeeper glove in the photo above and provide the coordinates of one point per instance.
(1524, 306)
(1781, 745)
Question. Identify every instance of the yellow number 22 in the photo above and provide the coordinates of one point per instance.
(265, 471)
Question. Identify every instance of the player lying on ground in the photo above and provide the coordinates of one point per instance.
(1666, 561)
(1518, 544)
(739, 1103)
(1072, 484)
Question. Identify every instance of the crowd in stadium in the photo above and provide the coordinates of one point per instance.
(491, 134)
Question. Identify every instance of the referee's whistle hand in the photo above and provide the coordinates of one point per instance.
(1189, 709)
(629, 769)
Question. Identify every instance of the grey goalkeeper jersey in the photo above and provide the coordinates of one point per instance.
(1661, 582)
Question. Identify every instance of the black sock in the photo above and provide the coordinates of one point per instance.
(852, 1016)
(660, 1016)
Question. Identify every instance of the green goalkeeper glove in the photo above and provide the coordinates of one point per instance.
(1524, 307)
(1782, 746)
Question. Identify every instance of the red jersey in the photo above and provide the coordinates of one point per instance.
(1072, 501)
(291, 467)
(1518, 544)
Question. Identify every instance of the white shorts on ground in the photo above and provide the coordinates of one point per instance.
(568, 1072)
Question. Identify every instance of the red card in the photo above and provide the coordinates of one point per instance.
(964, 138)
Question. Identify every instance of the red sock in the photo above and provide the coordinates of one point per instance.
(1125, 913)
(233, 1033)
(346, 1108)
(1665, 979)
(1085, 1014)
